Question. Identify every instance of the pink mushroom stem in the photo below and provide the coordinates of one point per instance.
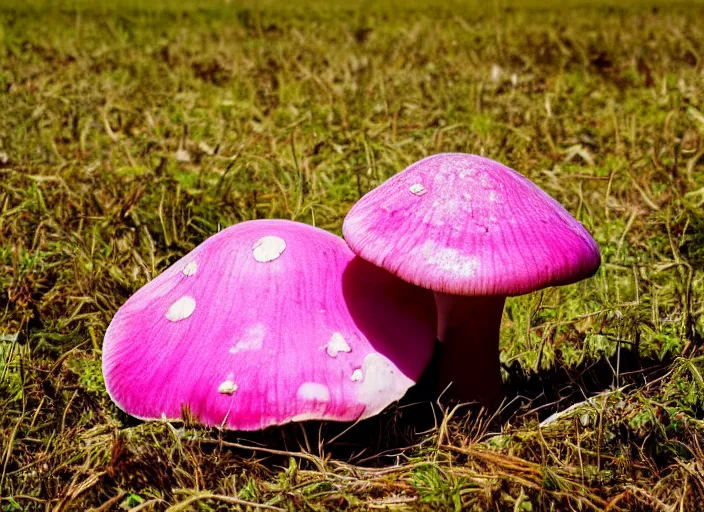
(468, 329)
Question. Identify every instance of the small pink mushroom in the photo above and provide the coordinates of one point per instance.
(474, 232)
(264, 323)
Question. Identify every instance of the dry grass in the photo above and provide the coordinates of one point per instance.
(129, 135)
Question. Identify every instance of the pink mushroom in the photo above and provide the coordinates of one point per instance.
(264, 323)
(474, 232)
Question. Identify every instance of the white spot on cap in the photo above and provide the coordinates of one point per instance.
(442, 212)
(251, 340)
(268, 248)
(336, 345)
(454, 166)
(227, 387)
(181, 309)
(383, 384)
(450, 260)
(357, 375)
(314, 391)
(190, 269)
(417, 189)
(493, 196)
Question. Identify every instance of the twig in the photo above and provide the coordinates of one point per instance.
(220, 497)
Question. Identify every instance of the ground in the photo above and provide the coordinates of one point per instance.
(129, 134)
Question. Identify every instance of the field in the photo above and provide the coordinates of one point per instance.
(130, 134)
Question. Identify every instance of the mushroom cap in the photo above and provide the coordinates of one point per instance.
(267, 322)
(466, 225)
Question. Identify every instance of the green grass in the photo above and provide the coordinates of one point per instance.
(293, 110)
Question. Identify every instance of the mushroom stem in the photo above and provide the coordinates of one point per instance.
(468, 330)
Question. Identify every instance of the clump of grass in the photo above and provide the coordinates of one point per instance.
(130, 134)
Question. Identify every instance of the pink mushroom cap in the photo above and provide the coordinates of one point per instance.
(267, 322)
(463, 224)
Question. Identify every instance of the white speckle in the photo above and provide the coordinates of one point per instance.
(495, 74)
(206, 148)
(514, 79)
(467, 171)
(227, 387)
(182, 155)
(190, 269)
(181, 309)
(584, 419)
(357, 375)
(314, 391)
(493, 197)
(441, 212)
(383, 384)
(450, 260)
(453, 166)
(268, 248)
(252, 339)
(336, 345)
(418, 189)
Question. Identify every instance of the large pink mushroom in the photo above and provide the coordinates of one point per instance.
(264, 323)
(473, 231)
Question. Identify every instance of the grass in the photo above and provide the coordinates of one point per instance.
(129, 134)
